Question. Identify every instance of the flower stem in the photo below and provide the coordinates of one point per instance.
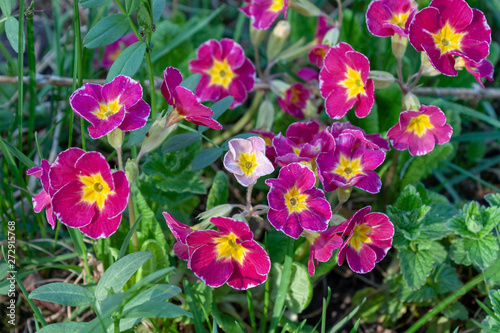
(250, 311)
(151, 83)
(131, 216)
(249, 197)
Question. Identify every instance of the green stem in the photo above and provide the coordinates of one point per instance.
(151, 83)
(250, 311)
(32, 73)
(131, 215)
(20, 73)
(283, 287)
(444, 303)
(190, 129)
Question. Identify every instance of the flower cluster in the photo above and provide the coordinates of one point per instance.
(81, 192)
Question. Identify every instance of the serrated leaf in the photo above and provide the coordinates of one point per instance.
(6, 7)
(494, 296)
(458, 253)
(493, 199)
(482, 252)
(456, 311)
(206, 157)
(106, 31)
(131, 6)
(73, 327)
(119, 273)
(128, 62)
(192, 184)
(445, 279)
(218, 108)
(492, 274)
(225, 145)
(150, 227)
(219, 192)
(434, 225)
(180, 141)
(155, 310)
(63, 293)
(416, 266)
(12, 32)
(94, 3)
(474, 221)
(158, 261)
(409, 199)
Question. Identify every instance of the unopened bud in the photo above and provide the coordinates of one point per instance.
(428, 70)
(277, 39)
(332, 37)
(158, 132)
(382, 79)
(131, 170)
(115, 138)
(257, 35)
(411, 102)
(240, 217)
(221, 210)
(399, 44)
(344, 193)
(279, 87)
(265, 116)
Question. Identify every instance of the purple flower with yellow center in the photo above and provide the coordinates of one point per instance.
(369, 239)
(247, 160)
(225, 71)
(483, 70)
(317, 54)
(419, 131)
(351, 164)
(117, 104)
(303, 143)
(262, 13)
(184, 102)
(229, 255)
(295, 100)
(113, 50)
(450, 28)
(344, 82)
(295, 204)
(87, 195)
(43, 199)
(385, 18)
(374, 141)
(322, 28)
(180, 232)
(322, 245)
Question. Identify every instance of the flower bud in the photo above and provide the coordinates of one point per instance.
(265, 116)
(220, 210)
(411, 102)
(279, 87)
(332, 37)
(399, 44)
(257, 35)
(158, 132)
(344, 193)
(240, 217)
(382, 79)
(115, 138)
(131, 170)
(428, 70)
(277, 39)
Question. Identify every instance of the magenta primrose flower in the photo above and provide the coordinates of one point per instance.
(374, 141)
(117, 104)
(385, 18)
(262, 13)
(483, 70)
(344, 82)
(295, 100)
(229, 255)
(43, 199)
(450, 28)
(351, 164)
(369, 239)
(322, 27)
(295, 204)
(322, 245)
(247, 160)
(87, 195)
(186, 105)
(113, 50)
(419, 131)
(317, 54)
(180, 232)
(303, 143)
(225, 71)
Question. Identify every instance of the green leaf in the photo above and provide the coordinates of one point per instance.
(157, 262)
(63, 293)
(158, 7)
(456, 311)
(73, 327)
(225, 145)
(154, 309)
(131, 6)
(206, 157)
(474, 221)
(12, 32)
(458, 253)
(191, 82)
(299, 293)
(494, 296)
(416, 266)
(445, 279)
(492, 274)
(158, 293)
(493, 199)
(128, 62)
(218, 108)
(119, 273)
(219, 192)
(6, 7)
(94, 3)
(126, 240)
(180, 141)
(4, 268)
(265, 116)
(106, 31)
(434, 225)
(150, 227)
(482, 252)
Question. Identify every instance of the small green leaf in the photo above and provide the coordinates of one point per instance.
(456, 311)
(180, 141)
(219, 192)
(138, 135)
(218, 108)
(191, 82)
(106, 31)
(445, 279)
(474, 221)
(20, 156)
(416, 266)
(493, 199)
(63, 293)
(225, 145)
(206, 157)
(63, 327)
(299, 293)
(131, 6)
(265, 116)
(119, 273)
(158, 293)
(458, 253)
(494, 296)
(158, 7)
(6, 7)
(482, 252)
(128, 62)
(94, 3)
(12, 32)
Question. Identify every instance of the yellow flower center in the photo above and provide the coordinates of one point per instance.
(360, 236)
(221, 73)
(295, 96)
(348, 168)
(107, 110)
(277, 5)
(247, 163)
(447, 39)
(228, 248)
(95, 189)
(295, 201)
(115, 54)
(399, 19)
(296, 151)
(353, 83)
(420, 125)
